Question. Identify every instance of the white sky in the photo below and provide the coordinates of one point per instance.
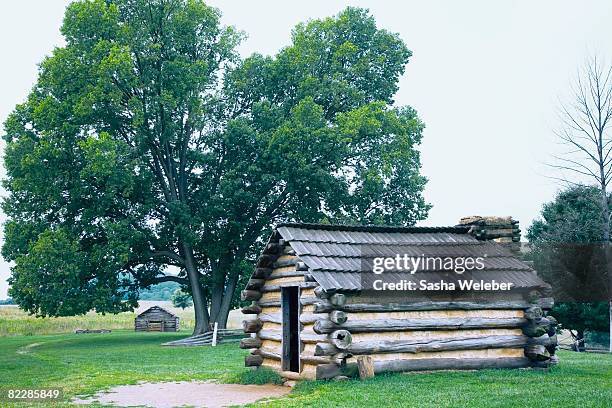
(485, 77)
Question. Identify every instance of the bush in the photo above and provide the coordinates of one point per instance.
(260, 376)
(597, 339)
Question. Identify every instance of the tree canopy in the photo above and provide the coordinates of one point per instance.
(148, 145)
(564, 248)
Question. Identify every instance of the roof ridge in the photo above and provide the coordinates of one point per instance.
(373, 228)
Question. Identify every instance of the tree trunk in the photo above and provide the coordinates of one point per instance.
(606, 231)
(216, 299)
(226, 302)
(199, 301)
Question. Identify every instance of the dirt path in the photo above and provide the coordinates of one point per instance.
(190, 394)
(27, 349)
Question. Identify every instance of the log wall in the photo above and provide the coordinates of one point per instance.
(338, 328)
(283, 271)
(156, 319)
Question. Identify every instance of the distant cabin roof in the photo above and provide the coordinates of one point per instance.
(334, 253)
(156, 308)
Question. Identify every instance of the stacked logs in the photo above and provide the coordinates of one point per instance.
(538, 339)
(499, 229)
(255, 289)
(253, 292)
(542, 337)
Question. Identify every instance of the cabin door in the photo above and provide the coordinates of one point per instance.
(290, 297)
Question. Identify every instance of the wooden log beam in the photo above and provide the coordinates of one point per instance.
(534, 313)
(385, 325)
(262, 273)
(277, 288)
(265, 260)
(536, 352)
(305, 358)
(253, 360)
(309, 278)
(271, 318)
(252, 326)
(544, 340)
(337, 299)
(338, 316)
(286, 274)
(322, 293)
(254, 308)
(422, 346)
(287, 250)
(250, 295)
(255, 284)
(329, 371)
(301, 266)
(250, 342)
(365, 367)
(290, 375)
(276, 335)
(305, 301)
(283, 263)
(325, 307)
(427, 364)
(533, 328)
(307, 318)
(341, 339)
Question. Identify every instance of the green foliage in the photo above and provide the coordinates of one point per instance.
(582, 317)
(161, 291)
(259, 376)
(561, 242)
(147, 143)
(181, 299)
(571, 218)
(7, 301)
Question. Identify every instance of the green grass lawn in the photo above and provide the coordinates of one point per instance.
(86, 363)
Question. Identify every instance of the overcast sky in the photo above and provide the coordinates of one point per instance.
(485, 77)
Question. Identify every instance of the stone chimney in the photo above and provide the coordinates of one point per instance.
(498, 229)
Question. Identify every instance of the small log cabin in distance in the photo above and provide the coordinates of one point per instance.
(313, 320)
(156, 318)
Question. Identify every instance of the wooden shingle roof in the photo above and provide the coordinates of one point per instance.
(336, 254)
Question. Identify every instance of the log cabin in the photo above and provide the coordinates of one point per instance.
(313, 318)
(158, 319)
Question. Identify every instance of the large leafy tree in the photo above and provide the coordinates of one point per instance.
(566, 252)
(149, 152)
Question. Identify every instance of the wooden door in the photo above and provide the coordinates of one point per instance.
(290, 301)
(155, 326)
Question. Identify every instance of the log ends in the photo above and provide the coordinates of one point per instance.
(341, 339)
(250, 295)
(253, 360)
(250, 343)
(252, 309)
(252, 326)
(542, 332)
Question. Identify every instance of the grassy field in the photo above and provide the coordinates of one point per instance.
(83, 364)
(14, 321)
